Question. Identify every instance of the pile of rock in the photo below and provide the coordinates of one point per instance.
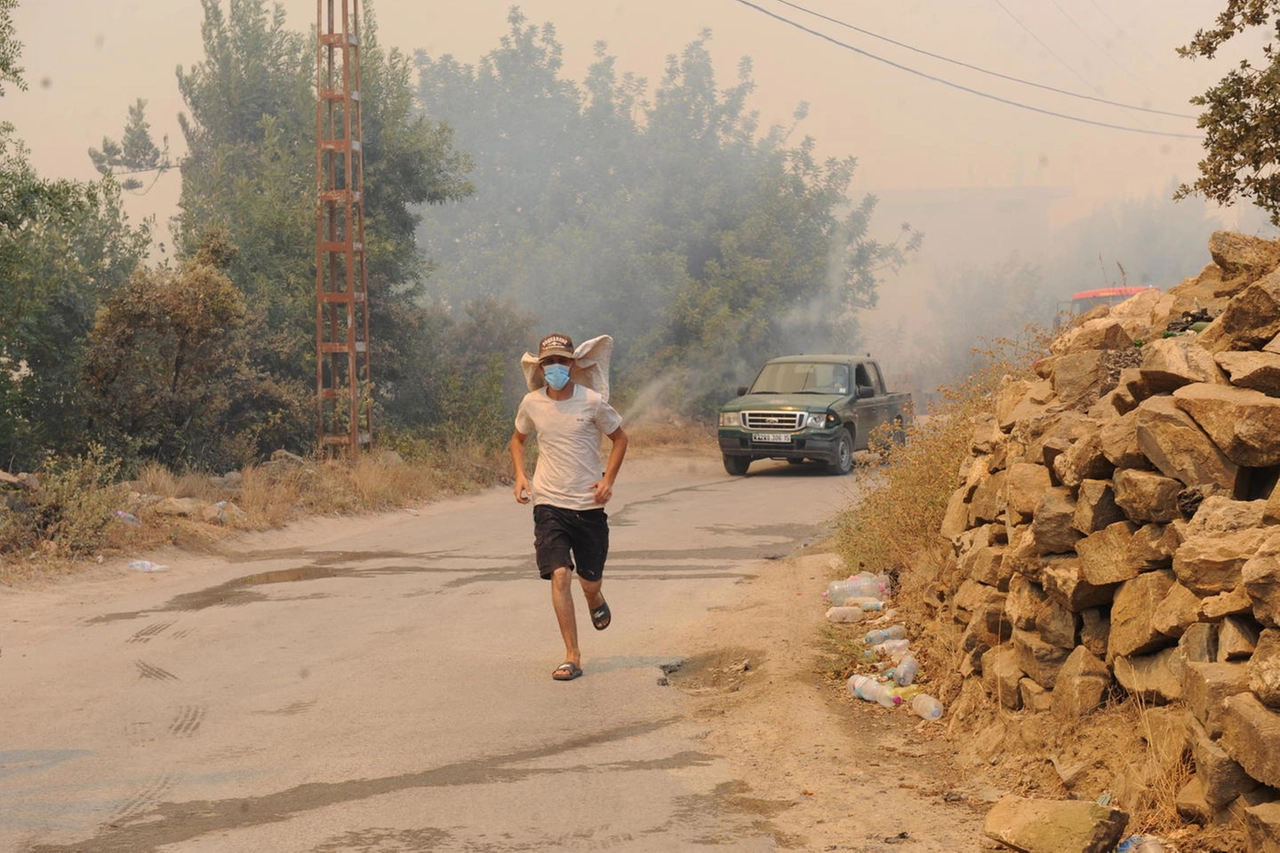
(1117, 523)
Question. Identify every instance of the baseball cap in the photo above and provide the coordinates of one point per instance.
(555, 344)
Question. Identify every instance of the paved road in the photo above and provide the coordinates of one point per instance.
(384, 685)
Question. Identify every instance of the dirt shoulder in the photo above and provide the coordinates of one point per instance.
(826, 771)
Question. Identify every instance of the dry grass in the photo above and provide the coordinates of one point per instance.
(80, 525)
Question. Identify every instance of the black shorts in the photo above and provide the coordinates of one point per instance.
(563, 536)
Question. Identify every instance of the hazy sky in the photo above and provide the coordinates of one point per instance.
(86, 61)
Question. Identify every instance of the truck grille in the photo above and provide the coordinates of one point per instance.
(773, 420)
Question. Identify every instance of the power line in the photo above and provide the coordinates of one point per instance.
(1095, 43)
(1018, 21)
(979, 68)
(971, 91)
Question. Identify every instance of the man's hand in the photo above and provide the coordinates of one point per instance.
(601, 491)
(521, 489)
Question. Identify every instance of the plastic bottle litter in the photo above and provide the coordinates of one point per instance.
(845, 613)
(855, 586)
(1140, 844)
(924, 705)
(146, 566)
(881, 635)
(892, 648)
(905, 672)
(869, 689)
(906, 694)
(864, 602)
(128, 518)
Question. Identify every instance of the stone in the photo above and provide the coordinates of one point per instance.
(1034, 697)
(1155, 678)
(1153, 546)
(1260, 578)
(1208, 564)
(1024, 601)
(1262, 827)
(1258, 371)
(1083, 460)
(1263, 669)
(1095, 630)
(1222, 514)
(1054, 826)
(1081, 685)
(986, 503)
(1199, 643)
(1057, 624)
(1095, 506)
(1025, 483)
(178, 507)
(1237, 253)
(1000, 676)
(1222, 777)
(1104, 555)
(1040, 661)
(1118, 440)
(1249, 320)
(1179, 610)
(1242, 423)
(1251, 736)
(1132, 628)
(1171, 363)
(1175, 444)
(1237, 638)
(1051, 528)
(1079, 375)
(1205, 686)
(1145, 496)
(984, 563)
(1060, 576)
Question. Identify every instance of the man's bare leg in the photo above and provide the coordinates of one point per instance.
(562, 601)
(595, 597)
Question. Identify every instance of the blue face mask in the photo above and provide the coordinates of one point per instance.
(557, 375)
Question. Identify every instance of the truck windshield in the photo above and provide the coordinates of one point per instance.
(802, 377)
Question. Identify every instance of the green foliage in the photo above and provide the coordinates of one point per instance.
(898, 521)
(10, 48)
(70, 509)
(136, 152)
(166, 374)
(1240, 114)
(700, 242)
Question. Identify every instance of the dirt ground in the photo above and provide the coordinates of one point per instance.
(825, 770)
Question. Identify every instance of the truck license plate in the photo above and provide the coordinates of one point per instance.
(772, 436)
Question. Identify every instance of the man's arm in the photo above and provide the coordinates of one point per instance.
(521, 484)
(603, 488)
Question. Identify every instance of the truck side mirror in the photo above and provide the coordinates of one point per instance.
(866, 391)
(742, 390)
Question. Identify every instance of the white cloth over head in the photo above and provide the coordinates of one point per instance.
(590, 366)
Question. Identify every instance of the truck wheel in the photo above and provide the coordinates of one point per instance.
(736, 465)
(843, 462)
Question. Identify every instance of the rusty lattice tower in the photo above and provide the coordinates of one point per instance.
(343, 383)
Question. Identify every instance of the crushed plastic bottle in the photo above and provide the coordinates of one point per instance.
(906, 670)
(855, 586)
(1140, 844)
(925, 706)
(845, 613)
(892, 648)
(867, 688)
(128, 518)
(881, 635)
(146, 566)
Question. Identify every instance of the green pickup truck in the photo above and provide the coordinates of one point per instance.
(817, 407)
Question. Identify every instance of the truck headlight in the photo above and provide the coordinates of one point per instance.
(820, 420)
(730, 419)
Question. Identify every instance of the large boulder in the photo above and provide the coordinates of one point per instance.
(1244, 424)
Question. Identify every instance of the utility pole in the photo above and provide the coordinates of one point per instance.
(344, 388)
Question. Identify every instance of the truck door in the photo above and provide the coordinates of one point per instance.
(874, 410)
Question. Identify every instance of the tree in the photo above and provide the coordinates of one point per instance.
(64, 245)
(1240, 116)
(698, 239)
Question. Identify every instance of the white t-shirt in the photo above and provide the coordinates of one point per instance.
(569, 431)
